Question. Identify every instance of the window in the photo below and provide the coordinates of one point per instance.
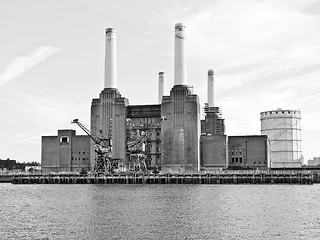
(64, 139)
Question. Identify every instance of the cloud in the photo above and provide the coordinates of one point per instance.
(21, 64)
(22, 139)
(229, 35)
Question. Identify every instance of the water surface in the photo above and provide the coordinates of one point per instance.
(159, 211)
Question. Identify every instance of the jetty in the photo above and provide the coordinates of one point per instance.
(185, 178)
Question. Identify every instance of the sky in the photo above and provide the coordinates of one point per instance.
(265, 54)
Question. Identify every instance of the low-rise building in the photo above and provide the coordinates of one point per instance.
(7, 165)
(252, 151)
(314, 162)
(65, 152)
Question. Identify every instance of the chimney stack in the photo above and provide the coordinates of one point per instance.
(211, 96)
(110, 77)
(162, 85)
(180, 77)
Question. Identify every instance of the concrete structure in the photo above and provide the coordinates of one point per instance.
(284, 132)
(252, 151)
(65, 152)
(181, 130)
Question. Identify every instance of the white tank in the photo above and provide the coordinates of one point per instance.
(283, 129)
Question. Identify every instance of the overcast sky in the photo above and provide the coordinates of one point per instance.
(265, 54)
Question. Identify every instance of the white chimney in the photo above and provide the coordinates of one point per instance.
(211, 100)
(162, 85)
(180, 77)
(110, 76)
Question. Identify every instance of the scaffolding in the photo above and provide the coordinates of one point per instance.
(139, 145)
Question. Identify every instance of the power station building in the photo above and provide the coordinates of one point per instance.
(175, 139)
(174, 122)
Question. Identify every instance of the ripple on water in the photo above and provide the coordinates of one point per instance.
(159, 211)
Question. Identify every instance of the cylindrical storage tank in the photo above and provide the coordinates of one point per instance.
(283, 129)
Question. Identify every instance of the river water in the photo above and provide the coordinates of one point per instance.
(159, 211)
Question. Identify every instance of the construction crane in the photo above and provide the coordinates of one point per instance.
(104, 163)
(138, 148)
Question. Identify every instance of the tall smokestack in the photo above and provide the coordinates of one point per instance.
(211, 96)
(162, 85)
(110, 76)
(180, 77)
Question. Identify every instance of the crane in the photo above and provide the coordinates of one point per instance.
(104, 163)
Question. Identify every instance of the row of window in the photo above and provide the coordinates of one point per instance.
(236, 147)
(236, 152)
(82, 152)
(236, 159)
(78, 159)
(239, 160)
(256, 163)
(276, 112)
